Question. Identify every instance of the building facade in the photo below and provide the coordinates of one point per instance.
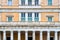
(29, 19)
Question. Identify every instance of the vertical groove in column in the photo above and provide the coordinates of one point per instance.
(41, 35)
(19, 35)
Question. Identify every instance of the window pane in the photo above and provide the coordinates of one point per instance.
(22, 16)
(36, 2)
(36, 18)
(9, 19)
(30, 16)
(49, 2)
(9, 2)
(22, 2)
(50, 19)
(29, 2)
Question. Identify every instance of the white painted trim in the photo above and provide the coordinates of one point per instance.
(26, 16)
(40, 2)
(33, 2)
(19, 2)
(26, 2)
(31, 10)
(30, 6)
(40, 17)
(33, 16)
(19, 16)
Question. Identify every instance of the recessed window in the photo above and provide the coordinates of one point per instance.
(49, 2)
(49, 19)
(23, 16)
(29, 38)
(51, 38)
(29, 16)
(36, 17)
(22, 2)
(36, 2)
(9, 19)
(8, 38)
(29, 2)
(9, 2)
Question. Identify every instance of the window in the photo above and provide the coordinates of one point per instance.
(29, 16)
(36, 18)
(9, 19)
(49, 2)
(8, 38)
(49, 19)
(29, 2)
(36, 2)
(22, 16)
(9, 2)
(22, 2)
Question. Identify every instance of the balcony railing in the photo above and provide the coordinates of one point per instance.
(30, 23)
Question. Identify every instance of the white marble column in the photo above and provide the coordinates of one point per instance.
(4, 35)
(26, 16)
(48, 35)
(40, 2)
(19, 2)
(11, 35)
(56, 36)
(41, 35)
(19, 35)
(32, 16)
(33, 35)
(26, 35)
(26, 2)
(33, 2)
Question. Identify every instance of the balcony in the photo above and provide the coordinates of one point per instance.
(30, 24)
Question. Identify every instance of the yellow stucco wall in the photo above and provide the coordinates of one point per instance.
(14, 4)
(44, 4)
(15, 16)
(44, 16)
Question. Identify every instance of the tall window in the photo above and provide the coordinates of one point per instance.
(9, 19)
(36, 2)
(49, 19)
(36, 18)
(22, 2)
(22, 16)
(49, 2)
(29, 2)
(29, 16)
(9, 2)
